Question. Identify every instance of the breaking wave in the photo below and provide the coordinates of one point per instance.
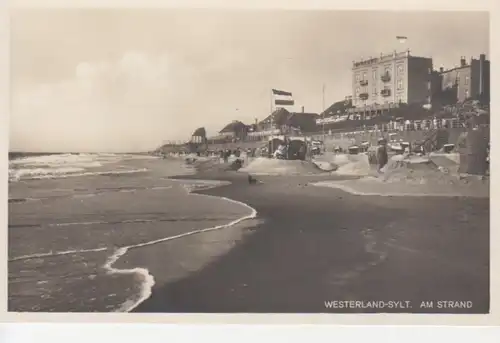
(67, 165)
(147, 280)
(59, 166)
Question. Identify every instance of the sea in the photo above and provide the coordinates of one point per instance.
(86, 229)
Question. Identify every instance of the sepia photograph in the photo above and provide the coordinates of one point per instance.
(256, 161)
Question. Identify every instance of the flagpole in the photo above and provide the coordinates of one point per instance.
(271, 120)
(323, 114)
(271, 107)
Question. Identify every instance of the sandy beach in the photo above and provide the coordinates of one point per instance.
(135, 242)
(315, 245)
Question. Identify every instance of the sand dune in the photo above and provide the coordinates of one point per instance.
(356, 165)
(412, 176)
(268, 166)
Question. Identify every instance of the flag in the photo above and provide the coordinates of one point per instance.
(282, 98)
(401, 39)
(278, 92)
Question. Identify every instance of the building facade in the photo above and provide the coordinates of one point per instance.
(468, 80)
(391, 79)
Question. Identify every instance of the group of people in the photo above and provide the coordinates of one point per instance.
(288, 151)
(226, 153)
(414, 125)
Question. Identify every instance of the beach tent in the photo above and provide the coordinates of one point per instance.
(297, 148)
(353, 150)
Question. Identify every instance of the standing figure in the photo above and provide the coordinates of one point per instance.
(382, 157)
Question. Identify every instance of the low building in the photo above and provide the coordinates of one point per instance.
(468, 80)
(235, 129)
(232, 132)
(199, 136)
(335, 113)
(289, 122)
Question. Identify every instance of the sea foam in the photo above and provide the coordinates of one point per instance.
(147, 280)
(67, 165)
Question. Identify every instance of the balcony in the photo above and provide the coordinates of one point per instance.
(386, 78)
(363, 96)
(363, 82)
(385, 92)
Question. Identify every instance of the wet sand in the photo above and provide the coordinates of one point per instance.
(314, 244)
(63, 233)
(306, 246)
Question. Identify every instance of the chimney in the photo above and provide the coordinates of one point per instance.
(441, 69)
(462, 61)
(302, 109)
(482, 59)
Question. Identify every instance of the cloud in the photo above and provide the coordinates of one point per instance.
(120, 106)
(131, 79)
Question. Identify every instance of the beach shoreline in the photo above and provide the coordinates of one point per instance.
(102, 218)
(280, 245)
(315, 244)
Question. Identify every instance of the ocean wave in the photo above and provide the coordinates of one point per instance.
(147, 280)
(62, 159)
(75, 174)
(56, 253)
(94, 192)
(56, 165)
(61, 165)
(27, 173)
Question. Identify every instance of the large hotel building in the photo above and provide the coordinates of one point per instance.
(391, 79)
(384, 82)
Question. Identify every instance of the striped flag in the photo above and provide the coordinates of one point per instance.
(401, 39)
(283, 98)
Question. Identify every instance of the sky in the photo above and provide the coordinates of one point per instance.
(117, 80)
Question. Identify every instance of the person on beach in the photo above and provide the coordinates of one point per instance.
(382, 157)
(302, 152)
(280, 152)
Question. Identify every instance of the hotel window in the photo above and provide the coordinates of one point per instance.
(466, 93)
(429, 85)
(458, 77)
(357, 77)
(400, 84)
(400, 69)
(374, 74)
(364, 76)
(374, 91)
(467, 80)
(357, 91)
